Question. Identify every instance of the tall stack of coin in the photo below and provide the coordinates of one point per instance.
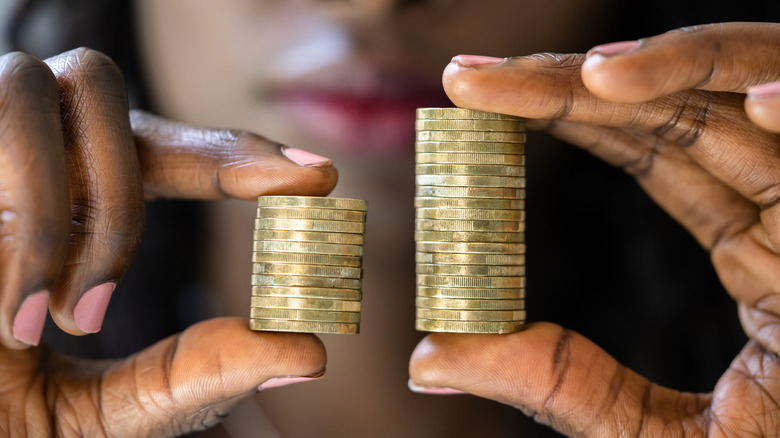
(470, 221)
(307, 264)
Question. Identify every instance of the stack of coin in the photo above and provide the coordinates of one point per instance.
(307, 264)
(470, 221)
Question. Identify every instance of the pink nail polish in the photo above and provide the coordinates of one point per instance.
(613, 49)
(434, 391)
(91, 308)
(765, 91)
(306, 158)
(476, 60)
(29, 320)
(283, 381)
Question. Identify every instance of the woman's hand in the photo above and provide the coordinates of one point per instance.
(670, 110)
(75, 167)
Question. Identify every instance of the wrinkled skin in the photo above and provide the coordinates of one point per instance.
(674, 114)
(75, 168)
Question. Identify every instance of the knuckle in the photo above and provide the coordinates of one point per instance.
(88, 68)
(686, 124)
(20, 72)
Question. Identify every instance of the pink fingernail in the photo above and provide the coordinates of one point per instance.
(765, 91)
(29, 320)
(283, 381)
(476, 60)
(613, 49)
(434, 391)
(91, 308)
(306, 158)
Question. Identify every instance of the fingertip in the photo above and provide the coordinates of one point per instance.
(763, 105)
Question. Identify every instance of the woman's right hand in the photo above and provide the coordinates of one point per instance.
(75, 168)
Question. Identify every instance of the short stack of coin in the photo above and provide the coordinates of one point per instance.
(307, 264)
(470, 221)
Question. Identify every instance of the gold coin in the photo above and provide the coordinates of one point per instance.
(471, 247)
(465, 293)
(469, 258)
(304, 303)
(281, 325)
(469, 236)
(474, 147)
(482, 214)
(469, 203)
(311, 213)
(475, 270)
(310, 225)
(462, 136)
(308, 247)
(466, 304)
(470, 169)
(470, 181)
(515, 126)
(312, 201)
(461, 113)
(432, 325)
(470, 192)
(468, 225)
(309, 236)
(292, 280)
(313, 270)
(472, 159)
(470, 315)
(465, 281)
(328, 293)
(305, 315)
(307, 259)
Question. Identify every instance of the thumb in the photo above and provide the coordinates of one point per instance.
(556, 376)
(189, 381)
(182, 161)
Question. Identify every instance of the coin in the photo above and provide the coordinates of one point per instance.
(514, 126)
(432, 325)
(473, 159)
(315, 270)
(469, 304)
(474, 147)
(312, 201)
(469, 236)
(308, 247)
(307, 259)
(471, 315)
(460, 113)
(307, 292)
(484, 214)
(281, 325)
(466, 293)
(469, 258)
(468, 225)
(309, 225)
(469, 203)
(309, 236)
(466, 281)
(470, 169)
(471, 247)
(311, 213)
(477, 270)
(470, 192)
(462, 136)
(470, 181)
(305, 315)
(292, 280)
(305, 303)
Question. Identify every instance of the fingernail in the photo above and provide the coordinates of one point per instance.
(91, 308)
(613, 49)
(765, 91)
(284, 381)
(29, 320)
(306, 158)
(476, 60)
(435, 391)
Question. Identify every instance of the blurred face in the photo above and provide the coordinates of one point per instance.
(332, 75)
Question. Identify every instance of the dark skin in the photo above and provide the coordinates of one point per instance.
(673, 113)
